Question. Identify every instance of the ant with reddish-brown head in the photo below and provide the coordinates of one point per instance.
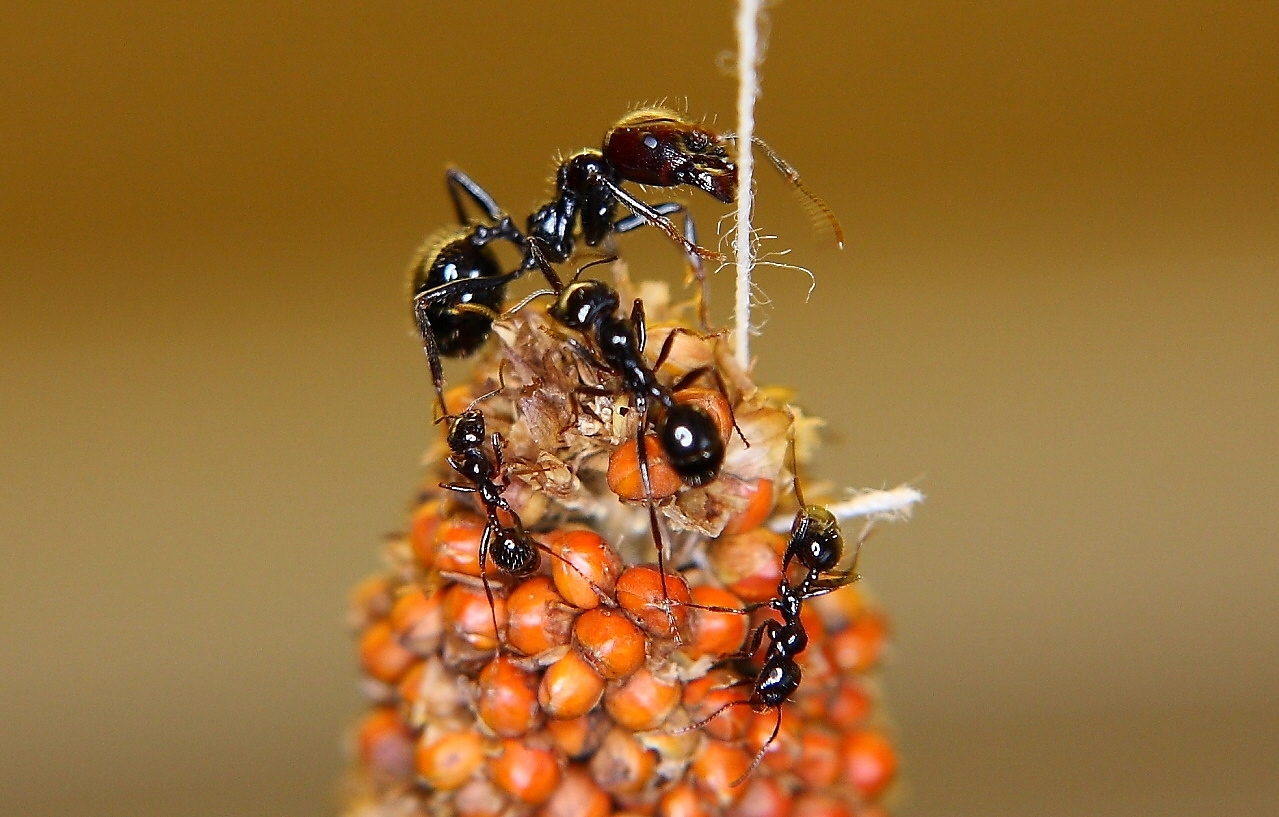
(458, 285)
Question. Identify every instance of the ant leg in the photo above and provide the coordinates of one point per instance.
(534, 249)
(637, 321)
(484, 579)
(432, 351)
(653, 521)
(697, 270)
(759, 756)
(459, 487)
(459, 183)
(656, 219)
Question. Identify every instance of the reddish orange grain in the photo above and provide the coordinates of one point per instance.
(869, 763)
(569, 688)
(418, 620)
(457, 544)
(717, 767)
(385, 745)
(583, 566)
(713, 693)
(849, 704)
(810, 804)
(682, 800)
(639, 592)
(610, 643)
(819, 757)
(749, 564)
(480, 798)
(467, 613)
(507, 698)
(643, 701)
(422, 527)
(450, 759)
(539, 617)
(381, 654)
(622, 765)
(624, 477)
(578, 737)
(715, 634)
(859, 647)
(763, 797)
(527, 773)
(578, 795)
(757, 498)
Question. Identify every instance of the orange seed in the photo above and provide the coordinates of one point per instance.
(528, 774)
(570, 688)
(610, 643)
(625, 479)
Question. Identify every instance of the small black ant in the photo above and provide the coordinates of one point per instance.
(818, 544)
(514, 551)
(458, 287)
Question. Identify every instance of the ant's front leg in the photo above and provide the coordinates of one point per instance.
(696, 269)
(459, 184)
(639, 324)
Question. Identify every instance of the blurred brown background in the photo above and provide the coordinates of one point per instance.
(1058, 305)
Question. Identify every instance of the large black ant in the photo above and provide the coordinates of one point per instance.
(817, 543)
(458, 286)
(686, 433)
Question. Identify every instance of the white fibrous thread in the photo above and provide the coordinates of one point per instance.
(748, 60)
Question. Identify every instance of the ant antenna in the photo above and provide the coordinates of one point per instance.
(791, 175)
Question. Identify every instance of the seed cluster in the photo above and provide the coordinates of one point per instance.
(588, 688)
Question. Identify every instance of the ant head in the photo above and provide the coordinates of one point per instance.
(466, 430)
(660, 148)
(690, 440)
(816, 539)
(581, 304)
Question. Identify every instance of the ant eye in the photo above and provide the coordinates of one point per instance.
(650, 141)
(697, 141)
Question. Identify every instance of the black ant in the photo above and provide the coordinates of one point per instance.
(458, 287)
(818, 544)
(686, 433)
(514, 551)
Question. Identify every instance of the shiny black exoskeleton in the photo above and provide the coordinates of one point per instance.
(686, 433)
(458, 286)
(512, 549)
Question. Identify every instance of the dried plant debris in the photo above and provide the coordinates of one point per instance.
(593, 684)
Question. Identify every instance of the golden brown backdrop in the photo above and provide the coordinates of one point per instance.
(1058, 305)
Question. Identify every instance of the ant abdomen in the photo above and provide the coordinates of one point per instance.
(691, 442)
(456, 257)
(816, 539)
(513, 553)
